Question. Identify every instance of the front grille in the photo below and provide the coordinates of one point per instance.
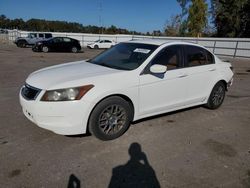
(29, 92)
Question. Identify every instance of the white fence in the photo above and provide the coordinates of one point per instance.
(233, 47)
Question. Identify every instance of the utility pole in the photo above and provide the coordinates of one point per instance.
(100, 17)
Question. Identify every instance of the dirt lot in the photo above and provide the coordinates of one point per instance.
(190, 148)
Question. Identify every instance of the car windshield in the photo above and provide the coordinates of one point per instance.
(124, 56)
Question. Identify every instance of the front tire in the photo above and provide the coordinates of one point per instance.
(217, 96)
(96, 47)
(74, 49)
(21, 44)
(45, 49)
(110, 118)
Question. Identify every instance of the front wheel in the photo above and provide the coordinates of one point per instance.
(110, 118)
(74, 49)
(96, 47)
(45, 49)
(21, 44)
(217, 96)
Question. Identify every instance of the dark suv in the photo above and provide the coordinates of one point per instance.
(31, 39)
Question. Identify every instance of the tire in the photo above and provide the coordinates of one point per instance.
(74, 49)
(217, 96)
(96, 46)
(45, 49)
(21, 44)
(110, 118)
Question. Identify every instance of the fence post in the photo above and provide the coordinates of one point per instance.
(214, 47)
(235, 51)
(82, 40)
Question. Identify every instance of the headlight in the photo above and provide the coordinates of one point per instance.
(68, 94)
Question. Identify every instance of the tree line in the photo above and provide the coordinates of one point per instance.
(59, 26)
(224, 18)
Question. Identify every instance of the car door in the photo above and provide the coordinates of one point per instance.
(108, 43)
(33, 38)
(56, 44)
(163, 92)
(67, 44)
(101, 44)
(200, 66)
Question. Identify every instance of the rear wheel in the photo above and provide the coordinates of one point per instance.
(74, 49)
(110, 118)
(217, 96)
(45, 49)
(21, 44)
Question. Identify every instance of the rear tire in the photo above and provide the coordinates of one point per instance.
(45, 49)
(217, 96)
(110, 118)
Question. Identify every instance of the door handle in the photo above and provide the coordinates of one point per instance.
(212, 69)
(182, 75)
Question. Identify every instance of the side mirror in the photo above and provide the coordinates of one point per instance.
(158, 69)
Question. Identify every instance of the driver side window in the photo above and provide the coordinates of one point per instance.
(170, 57)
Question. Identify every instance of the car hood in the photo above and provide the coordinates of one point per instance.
(68, 74)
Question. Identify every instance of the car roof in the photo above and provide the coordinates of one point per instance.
(160, 42)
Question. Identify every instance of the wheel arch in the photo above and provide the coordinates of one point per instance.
(220, 79)
(126, 98)
(224, 82)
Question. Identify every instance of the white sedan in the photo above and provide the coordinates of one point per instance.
(130, 81)
(101, 44)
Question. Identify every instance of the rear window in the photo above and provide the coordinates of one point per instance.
(196, 56)
(48, 35)
(66, 40)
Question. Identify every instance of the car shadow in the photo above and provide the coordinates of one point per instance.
(137, 172)
(79, 135)
(166, 114)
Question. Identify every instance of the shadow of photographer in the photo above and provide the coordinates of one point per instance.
(74, 182)
(137, 172)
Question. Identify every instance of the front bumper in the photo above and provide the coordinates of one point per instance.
(230, 83)
(65, 118)
(36, 48)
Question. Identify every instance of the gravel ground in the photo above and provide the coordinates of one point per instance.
(196, 147)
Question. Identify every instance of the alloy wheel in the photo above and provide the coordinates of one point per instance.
(112, 119)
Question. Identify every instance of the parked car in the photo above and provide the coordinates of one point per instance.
(101, 44)
(3, 31)
(130, 81)
(31, 39)
(58, 44)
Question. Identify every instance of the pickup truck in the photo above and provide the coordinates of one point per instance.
(31, 39)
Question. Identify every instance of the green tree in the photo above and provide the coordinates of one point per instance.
(59, 26)
(231, 18)
(197, 18)
(172, 27)
(183, 21)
